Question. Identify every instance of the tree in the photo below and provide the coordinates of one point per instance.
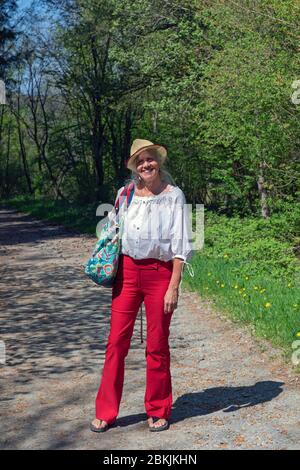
(7, 35)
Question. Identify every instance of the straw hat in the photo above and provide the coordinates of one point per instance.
(138, 146)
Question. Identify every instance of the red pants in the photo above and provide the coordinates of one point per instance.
(138, 281)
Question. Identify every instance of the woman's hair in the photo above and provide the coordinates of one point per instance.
(164, 174)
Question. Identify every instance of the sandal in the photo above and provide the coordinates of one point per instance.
(101, 429)
(162, 427)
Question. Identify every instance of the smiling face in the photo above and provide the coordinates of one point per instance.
(147, 166)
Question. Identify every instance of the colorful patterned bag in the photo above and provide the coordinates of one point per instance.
(103, 265)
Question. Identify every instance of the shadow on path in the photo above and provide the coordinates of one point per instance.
(228, 399)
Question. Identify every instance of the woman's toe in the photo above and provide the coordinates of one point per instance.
(159, 423)
(156, 424)
(99, 423)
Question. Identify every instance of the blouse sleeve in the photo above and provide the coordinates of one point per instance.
(181, 233)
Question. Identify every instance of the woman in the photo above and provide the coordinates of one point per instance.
(155, 244)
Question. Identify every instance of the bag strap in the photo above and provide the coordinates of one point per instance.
(127, 191)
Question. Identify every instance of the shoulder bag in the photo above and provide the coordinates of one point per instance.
(103, 265)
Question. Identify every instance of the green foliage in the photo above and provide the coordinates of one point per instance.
(257, 246)
(269, 306)
(78, 217)
(250, 268)
(218, 94)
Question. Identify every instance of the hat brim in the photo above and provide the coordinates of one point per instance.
(163, 153)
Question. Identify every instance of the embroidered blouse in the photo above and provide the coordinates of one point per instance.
(156, 226)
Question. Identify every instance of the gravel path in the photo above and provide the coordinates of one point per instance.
(230, 391)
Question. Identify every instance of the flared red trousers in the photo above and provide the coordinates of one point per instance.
(137, 281)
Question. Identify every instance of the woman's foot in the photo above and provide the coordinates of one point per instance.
(159, 425)
(99, 425)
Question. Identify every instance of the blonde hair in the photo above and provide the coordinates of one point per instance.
(164, 174)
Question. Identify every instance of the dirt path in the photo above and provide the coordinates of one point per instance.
(227, 392)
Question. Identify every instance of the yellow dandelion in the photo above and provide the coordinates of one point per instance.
(298, 334)
(243, 288)
(236, 286)
(255, 287)
(222, 285)
(247, 277)
(268, 305)
(289, 284)
(218, 282)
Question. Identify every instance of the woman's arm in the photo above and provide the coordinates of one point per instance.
(181, 248)
(171, 296)
(176, 274)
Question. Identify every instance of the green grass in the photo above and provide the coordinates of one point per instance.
(81, 218)
(249, 268)
(270, 306)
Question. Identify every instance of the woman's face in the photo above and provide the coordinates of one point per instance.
(147, 166)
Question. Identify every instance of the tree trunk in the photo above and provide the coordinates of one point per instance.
(261, 183)
(22, 148)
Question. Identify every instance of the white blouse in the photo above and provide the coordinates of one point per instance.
(156, 226)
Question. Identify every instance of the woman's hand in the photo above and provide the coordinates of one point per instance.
(170, 299)
(171, 296)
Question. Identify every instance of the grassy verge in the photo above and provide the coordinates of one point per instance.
(271, 306)
(81, 218)
(249, 268)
